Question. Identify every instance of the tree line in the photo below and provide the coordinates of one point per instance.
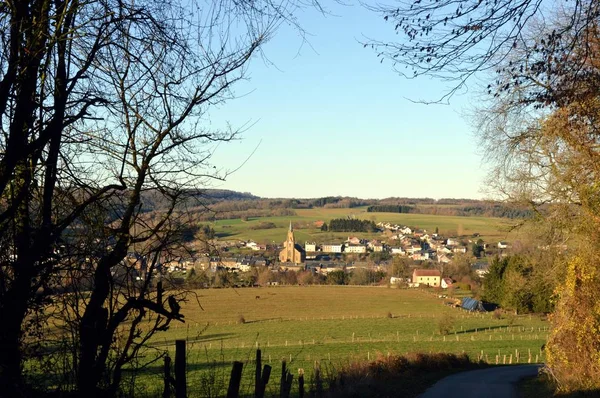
(390, 209)
(349, 225)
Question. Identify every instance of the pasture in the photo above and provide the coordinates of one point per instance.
(333, 325)
(490, 229)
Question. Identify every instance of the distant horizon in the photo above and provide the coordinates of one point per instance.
(351, 196)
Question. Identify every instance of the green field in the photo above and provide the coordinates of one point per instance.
(490, 229)
(334, 325)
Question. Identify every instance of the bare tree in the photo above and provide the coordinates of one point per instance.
(454, 39)
(102, 104)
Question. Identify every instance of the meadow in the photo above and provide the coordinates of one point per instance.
(333, 326)
(490, 229)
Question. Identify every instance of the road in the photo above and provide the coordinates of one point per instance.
(496, 382)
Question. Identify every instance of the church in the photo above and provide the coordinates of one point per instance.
(292, 252)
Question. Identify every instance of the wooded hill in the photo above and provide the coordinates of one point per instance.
(213, 204)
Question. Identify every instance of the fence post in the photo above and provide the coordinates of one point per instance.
(180, 382)
(257, 375)
(286, 381)
(318, 381)
(301, 383)
(168, 380)
(261, 378)
(283, 376)
(236, 378)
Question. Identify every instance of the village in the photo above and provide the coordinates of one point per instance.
(424, 254)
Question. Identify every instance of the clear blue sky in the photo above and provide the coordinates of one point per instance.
(333, 120)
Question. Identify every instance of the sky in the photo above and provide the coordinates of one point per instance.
(328, 119)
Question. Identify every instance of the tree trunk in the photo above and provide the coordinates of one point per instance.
(12, 315)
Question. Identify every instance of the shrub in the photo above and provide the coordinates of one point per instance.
(446, 324)
(389, 315)
(241, 319)
(497, 314)
(389, 374)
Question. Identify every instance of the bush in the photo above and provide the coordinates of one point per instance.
(241, 319)
(387, 375)
(263, 225)
(446, 324)
(497, 314)
(389, 315)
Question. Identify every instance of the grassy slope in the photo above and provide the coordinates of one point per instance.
(312, 324)
(491, 229)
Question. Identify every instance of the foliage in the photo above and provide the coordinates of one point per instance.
(263, 225)
(390, 209)
(379, 257)
(574, 344)
(365, 276)
(521, 283)
(351, 225)
(339, 277)
(446, 324)
(409, 374)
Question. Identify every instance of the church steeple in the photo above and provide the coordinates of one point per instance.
(290, 237)
(291, 252)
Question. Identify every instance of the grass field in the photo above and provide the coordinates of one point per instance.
(490, 228)
(333, 325)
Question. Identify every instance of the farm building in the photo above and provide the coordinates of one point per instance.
(471, 304)
(429, 277)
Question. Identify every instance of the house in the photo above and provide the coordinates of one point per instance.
(446, 283)
(376, 246)
(414, 249)
(394, 280)
(444, 259)
(429, 277)
(445, 249)
(310, 247)
(453, 242)
(318, 224)
(352, 248)
(398, 250)
(252, 245)
(406, 231)
(459, 249)
(481, 268)
(353, 240)
(332, 247)
(502, 245)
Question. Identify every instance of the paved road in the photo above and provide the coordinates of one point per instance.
(497, 382)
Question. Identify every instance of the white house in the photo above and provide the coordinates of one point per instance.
(398, 250)
(406, 231)
(444, 259)
(446, 283)
(310, 247)
(332, 247)
(351, 248)
(502, 245)
(453, 242)
(394, 280)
